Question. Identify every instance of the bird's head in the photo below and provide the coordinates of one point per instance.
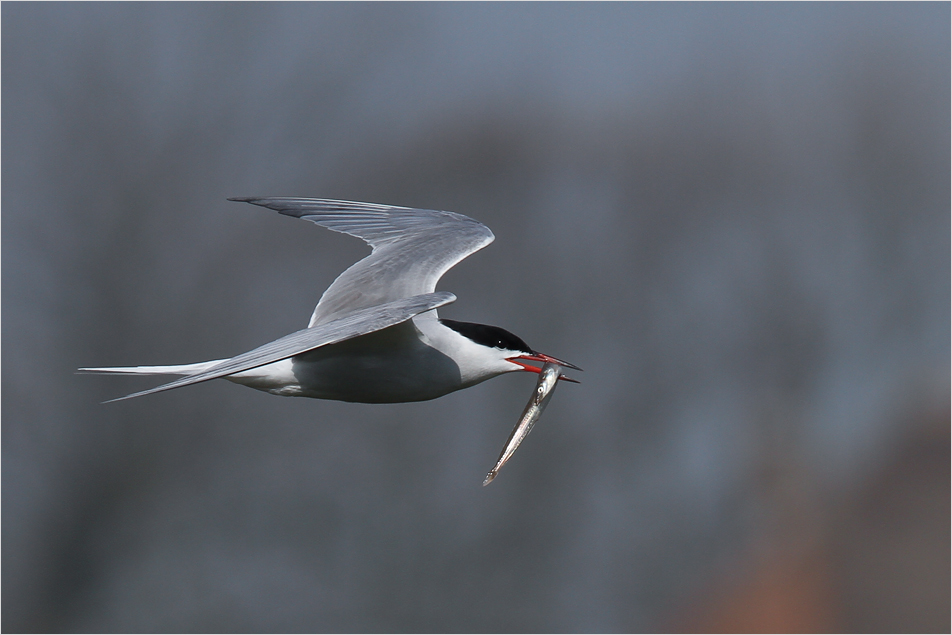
(505, 348)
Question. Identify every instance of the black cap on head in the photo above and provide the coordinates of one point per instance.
(491, 336)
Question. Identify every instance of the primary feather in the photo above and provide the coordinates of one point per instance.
(412, 248)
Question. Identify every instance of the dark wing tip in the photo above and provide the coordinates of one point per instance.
(280, 204)
(288, 205)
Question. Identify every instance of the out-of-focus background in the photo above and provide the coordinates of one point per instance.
(735, 217)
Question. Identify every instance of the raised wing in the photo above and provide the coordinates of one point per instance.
(412, 249)
(352, 325)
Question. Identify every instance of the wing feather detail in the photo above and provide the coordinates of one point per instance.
(411, 248)
(352, 325)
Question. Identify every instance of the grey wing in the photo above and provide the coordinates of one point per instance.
(412, 248)
(352, 325)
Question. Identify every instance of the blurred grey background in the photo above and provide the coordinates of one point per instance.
(735, 217)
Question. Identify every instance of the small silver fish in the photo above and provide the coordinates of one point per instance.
(548, 380)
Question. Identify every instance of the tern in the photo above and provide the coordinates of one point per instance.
(375, 336)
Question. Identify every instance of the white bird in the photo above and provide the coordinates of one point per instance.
(375, 336)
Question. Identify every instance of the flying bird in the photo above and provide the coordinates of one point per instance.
(375, 336)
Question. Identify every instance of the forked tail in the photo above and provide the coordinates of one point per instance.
(181, 369)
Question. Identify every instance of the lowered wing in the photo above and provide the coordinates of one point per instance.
(352, 325)
(412, 249)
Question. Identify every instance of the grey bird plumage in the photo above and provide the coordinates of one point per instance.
(375, 336)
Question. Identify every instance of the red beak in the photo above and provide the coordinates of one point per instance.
(540, 357)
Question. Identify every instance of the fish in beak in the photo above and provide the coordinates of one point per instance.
(549, 375)
(542, 358)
